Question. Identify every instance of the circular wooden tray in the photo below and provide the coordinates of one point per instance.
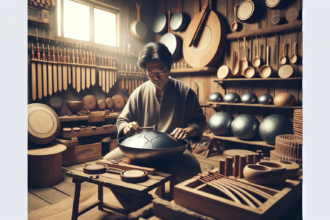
(134, 176)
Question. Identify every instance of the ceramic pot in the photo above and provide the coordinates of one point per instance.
(279, 172)
(258, 174)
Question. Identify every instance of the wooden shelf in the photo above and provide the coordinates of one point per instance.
(266, 31)
(85, 132)
(235, 139)
(217, 104)
(194, 70)
(84, 117)
(256, 79)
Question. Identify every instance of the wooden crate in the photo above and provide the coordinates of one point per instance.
(205, 199)
(80, 153)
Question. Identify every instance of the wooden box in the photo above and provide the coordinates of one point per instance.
(38, 15)
(78, 154)
(205, 199)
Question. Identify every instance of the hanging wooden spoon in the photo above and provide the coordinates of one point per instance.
(234, 25)
(266, 70)
(224, 71)
(283, 57)
(256, 60)
(294, 57)
(235, 70)
(249, 72)
(244, 62)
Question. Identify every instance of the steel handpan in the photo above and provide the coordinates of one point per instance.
(215, 97)
(220, 123)
(245, 126)
(231, 97)
(152, 147)
(249, 98)
(265, 99)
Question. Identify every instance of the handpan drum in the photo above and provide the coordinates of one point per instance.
(152, 147)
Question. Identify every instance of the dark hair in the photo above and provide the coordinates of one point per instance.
(155, 52)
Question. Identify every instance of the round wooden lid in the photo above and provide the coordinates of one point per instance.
(90, 102)
(101, 104)
(118, 102)
(43, 124)
(67, 129)
(286, 71)
(53, 148)
(109, 103)
(133, 173)
(76, 129)
(272, 3)
(291, 14)
(94, 169)
(134, 176)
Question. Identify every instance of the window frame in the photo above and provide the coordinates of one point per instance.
(92, 4)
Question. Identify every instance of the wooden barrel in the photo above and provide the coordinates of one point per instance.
(43, 124)
(45, 165)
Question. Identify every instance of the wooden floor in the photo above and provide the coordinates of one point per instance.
(41, 197)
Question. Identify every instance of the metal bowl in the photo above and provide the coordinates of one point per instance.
(152, 147)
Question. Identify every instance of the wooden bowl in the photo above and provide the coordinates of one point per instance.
(279, 172)
(74, 106)
(258, 174)
(284, 99)
(292, 168)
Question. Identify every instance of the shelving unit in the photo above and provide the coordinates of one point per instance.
(85, 117)
(217, 104)
(255, 79)
(194, 70)
(235, 139)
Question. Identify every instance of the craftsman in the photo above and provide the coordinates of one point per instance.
(164, 101)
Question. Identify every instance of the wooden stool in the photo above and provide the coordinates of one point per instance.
(45, 165)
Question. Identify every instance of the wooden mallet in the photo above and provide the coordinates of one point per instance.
(154, 127)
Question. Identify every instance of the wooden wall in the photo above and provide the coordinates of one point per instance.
(148, 12)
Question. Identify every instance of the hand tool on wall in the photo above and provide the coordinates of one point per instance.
(93, 74)
(59, 70)
(69, 67)
(33, 75)
(83, 72)
(78, 72)
(107, 72)
(50, 74)
(65, 71)
(73, 70)
(103, 74)
(39, 72)
(44, 70)
(100, 72)
(88, 73)
(54, 71)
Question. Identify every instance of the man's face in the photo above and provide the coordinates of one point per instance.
(158, 73)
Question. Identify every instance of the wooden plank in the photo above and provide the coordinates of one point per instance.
(235, 139)
(147, 183)
(258, 79)
(35, 202)
(84, 132)
(84, 117)
(194, 70)
(48, 194)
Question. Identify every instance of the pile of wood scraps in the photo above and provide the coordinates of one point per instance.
(130, 80)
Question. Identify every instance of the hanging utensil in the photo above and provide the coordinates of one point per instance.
(224, 71)
(78, 72)
(266, 70)
(93, 74)
(256, 61)
(69, 66)
(138, 28)
(282, 59)
(171, 41)
(65, 72)
(244, 63)
(73, 70)
(249, 72)
(33, 75)
(39, 73)
(103, 74)
(54, 71)
(59, 70)
(83, 72)
(248, 11)
(236, 67)
(294, 57)
(234, 25)
(159, 24)
(44, 70)
(88, 73)
(107, 77)
(50, 74)
(178, 20)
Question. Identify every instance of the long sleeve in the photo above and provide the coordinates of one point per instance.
(195, 116)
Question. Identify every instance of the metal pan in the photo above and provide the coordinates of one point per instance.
(248, 11)
(171, 41)
(178, 20)
(138, 28)
(159, 25)
(277, 4)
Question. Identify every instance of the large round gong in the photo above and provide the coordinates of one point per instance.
(159, 24)
(152, 147)
(43, 124)
(210, 45)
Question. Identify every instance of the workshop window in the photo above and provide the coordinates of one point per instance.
(85, 22)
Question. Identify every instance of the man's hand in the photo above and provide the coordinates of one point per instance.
(131, 128)
(182, 133)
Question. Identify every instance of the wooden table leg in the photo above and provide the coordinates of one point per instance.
(75, 208)
(135, 202)
(172, 184)
(162, 191)
(100, 196)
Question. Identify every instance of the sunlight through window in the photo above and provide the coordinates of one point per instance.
(76, 20)
(104, 27)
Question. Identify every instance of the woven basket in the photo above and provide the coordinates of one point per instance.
(275, 156)
(288, 147)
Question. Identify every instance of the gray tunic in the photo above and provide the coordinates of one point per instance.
(179, 107)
